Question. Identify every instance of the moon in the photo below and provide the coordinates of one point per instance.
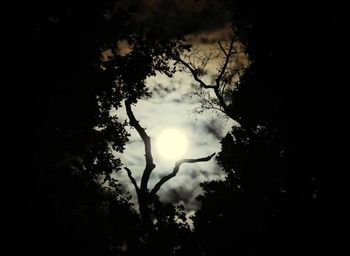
(171, 144)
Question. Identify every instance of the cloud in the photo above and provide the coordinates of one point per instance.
(180, 16)
(213, 127)
(209, 37)
(179, 195)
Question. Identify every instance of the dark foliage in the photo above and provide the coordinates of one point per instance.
(57, 131)
(283, 192)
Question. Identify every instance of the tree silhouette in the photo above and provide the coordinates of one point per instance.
(146, 197)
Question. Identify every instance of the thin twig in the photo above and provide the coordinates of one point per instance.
(228, 55)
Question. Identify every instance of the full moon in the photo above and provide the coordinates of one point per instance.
(171, 144)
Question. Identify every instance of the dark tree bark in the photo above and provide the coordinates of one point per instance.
(176, 170)
(142, 192)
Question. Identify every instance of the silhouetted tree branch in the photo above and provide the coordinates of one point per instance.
(222, 48)
(228, 56)
(133, 181)
(224, 76)
(148, 148)
(142, 192)
(193, 71)
(176, 170)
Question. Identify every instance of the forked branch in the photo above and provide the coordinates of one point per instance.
(176, 170)
(148, 147)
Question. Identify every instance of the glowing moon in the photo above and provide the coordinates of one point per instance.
(171, 144)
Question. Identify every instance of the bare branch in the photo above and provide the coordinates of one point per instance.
(176, 170)
(222, 102)
(219, 85)
(148, 147)
(208, 104)
(228, 55)
(132, 179)
(193, 71)
(222, 49)
(219, 78)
